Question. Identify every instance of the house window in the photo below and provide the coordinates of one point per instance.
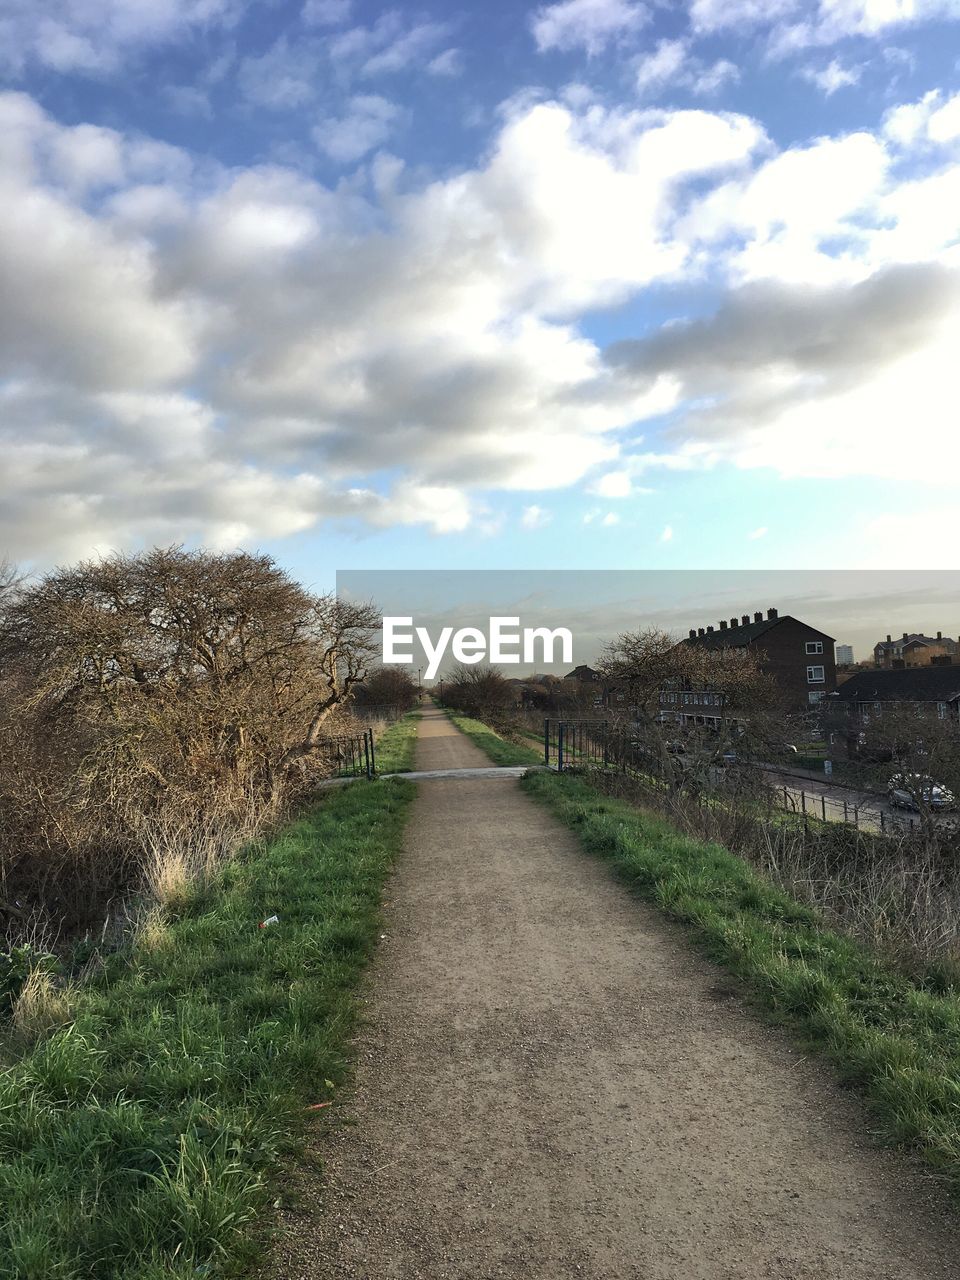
(815, 675)
(942, 710)
(815, 695)
(814, 646)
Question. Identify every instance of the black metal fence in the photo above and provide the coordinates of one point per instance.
(347, 755)
(603, 744)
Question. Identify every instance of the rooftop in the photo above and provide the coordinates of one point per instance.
(911, 684)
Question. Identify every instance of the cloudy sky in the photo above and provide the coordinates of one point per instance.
(594, 283)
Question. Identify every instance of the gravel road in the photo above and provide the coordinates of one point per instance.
(552, 1084)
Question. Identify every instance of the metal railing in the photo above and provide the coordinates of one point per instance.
(602, 744)
(347, 755)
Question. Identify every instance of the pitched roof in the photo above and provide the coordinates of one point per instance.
(746, 633)
(917, 637)
(911, 684)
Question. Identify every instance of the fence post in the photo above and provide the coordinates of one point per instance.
(559, 746)
(803, 803)
(371, 758)
(546, 743)
(823, 806)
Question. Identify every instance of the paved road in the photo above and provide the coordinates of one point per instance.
(822, 799)
(551, 1084)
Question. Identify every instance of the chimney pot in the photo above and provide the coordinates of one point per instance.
(772, 613)
(939, 635)
(888, 639)
(758, 617)
(905, 635)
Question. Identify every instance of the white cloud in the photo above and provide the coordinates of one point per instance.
(326, 13)
(610, 519)
(928, 121)
(586, 24)
(196, 351)
(672, 66)
(794, 25)
(615, 484)
(390, 44)
(535, 517)
(368, 123)
(832, 77)
(667, 535)
(654, 70)
(448, 63)
(758, 533)
(75, 36)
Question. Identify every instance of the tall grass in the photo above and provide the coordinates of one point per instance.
(896, 1039)
(898, 893)
(141, 1140)
(396, 745)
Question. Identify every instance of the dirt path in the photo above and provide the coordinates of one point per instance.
(551, 1084)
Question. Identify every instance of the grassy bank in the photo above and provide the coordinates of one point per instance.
(897, 1040)
(498, 749)
(140, 1140)
(397, 745)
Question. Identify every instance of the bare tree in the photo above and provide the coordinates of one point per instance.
(171, 681)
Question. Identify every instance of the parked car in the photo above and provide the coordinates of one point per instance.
(904, 789)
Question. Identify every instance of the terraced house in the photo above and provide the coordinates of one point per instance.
(798, 657)
(928, 692)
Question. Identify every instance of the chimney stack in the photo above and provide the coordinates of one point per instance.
(693, 633)
(709, 631)
(745, 619)
(723, 624)
(939, 635)
(905, 634)
(888, 639)
(700, 631)
(772, 613)
(733, 622)
(758, 617)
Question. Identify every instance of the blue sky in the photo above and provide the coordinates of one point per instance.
(588, 284)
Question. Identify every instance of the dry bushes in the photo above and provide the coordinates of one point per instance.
(156, 711)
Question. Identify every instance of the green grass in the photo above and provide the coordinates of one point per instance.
(498, 749)
(397, 746)
(142, 1141)
(896, 1040)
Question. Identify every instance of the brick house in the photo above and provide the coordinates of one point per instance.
(798, 658)
(913, 649)
(932, 692)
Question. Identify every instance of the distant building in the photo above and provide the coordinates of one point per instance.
(932, 691)
(844, 654)
(796, 656)
(913, 649)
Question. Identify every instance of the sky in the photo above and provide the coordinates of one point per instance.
(592, 284)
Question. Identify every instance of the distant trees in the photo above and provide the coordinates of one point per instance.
(480, 691)
(387, 690)
(738, 705)
(171, 682)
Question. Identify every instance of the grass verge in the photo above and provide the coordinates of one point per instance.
(397, 745)
(139, 1141)
(499, 750)
(896, 1040)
